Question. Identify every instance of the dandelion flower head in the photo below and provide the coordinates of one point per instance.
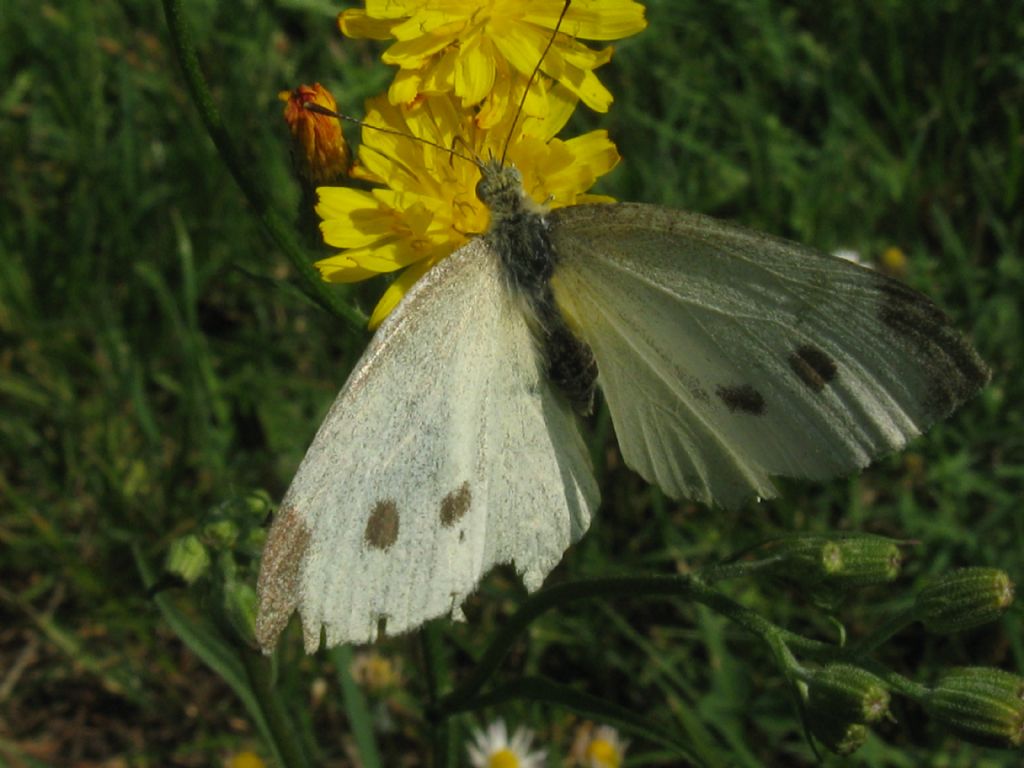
(426, 204)
(476, 49)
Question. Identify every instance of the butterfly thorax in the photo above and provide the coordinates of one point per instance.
(518, 234)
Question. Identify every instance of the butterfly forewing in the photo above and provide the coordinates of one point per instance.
(446, 453)
(728, 356)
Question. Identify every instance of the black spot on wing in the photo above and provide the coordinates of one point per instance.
(382, 526)
(455, 505)
(743, 398)
(812, 366)
(954, 370)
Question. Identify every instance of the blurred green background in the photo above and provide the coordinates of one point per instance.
(158, 361)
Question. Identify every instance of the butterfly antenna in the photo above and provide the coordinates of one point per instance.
(459, 139)
(313, 107)
(533, 76)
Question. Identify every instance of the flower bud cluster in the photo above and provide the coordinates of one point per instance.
(829, 565)
(842, 700)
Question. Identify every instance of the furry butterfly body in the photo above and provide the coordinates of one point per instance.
(726, 357)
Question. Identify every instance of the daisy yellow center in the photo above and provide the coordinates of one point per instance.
(603, 753)
(503, 758)
(380, 673)
(246, 760)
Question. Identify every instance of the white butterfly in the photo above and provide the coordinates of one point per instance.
(725, 356)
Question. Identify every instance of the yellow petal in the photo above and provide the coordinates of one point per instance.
(560, 104)
(522, 46)
(585, 58)
(338, 201)
(384, 256)
(595, 150)
(360, 229)
(582, 82)
(397, 290)
(355, 23)
(341, 269)
(591, 19)
(440, 78)
(594, 199)
(405, 87)
(474, 72)
(426, 23)
(391, 9)
(413, 53)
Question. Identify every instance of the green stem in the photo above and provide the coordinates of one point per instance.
(686, 587)
(736, 570)
(258, 668)
(785, 659)
(359, 718)
(434, 668)
(868, 644)
(278, 229)
(897, 682)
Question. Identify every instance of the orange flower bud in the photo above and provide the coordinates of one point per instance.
(321, 154)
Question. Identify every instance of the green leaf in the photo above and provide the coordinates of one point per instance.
(359, 717)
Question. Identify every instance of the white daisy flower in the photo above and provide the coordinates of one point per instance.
(848, 254)
(600, 747)
(493, 748)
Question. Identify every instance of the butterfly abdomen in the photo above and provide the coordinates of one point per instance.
(518, 234)
(568, 362)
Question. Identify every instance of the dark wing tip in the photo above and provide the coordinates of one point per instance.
(955, 370)
(280, 571)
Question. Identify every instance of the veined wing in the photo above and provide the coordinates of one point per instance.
(445, 453)
(729, 356)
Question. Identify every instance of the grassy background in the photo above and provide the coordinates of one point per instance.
(157, 361)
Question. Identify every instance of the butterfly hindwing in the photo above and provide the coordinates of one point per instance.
(728, 356)
(446, 453)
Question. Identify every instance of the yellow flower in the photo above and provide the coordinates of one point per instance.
(598, 747)
(894, 261)
(427, 205)
(477, 48)
(321, 152)
(245, 760)
(374, 672)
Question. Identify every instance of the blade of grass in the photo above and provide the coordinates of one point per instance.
(359, 718)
